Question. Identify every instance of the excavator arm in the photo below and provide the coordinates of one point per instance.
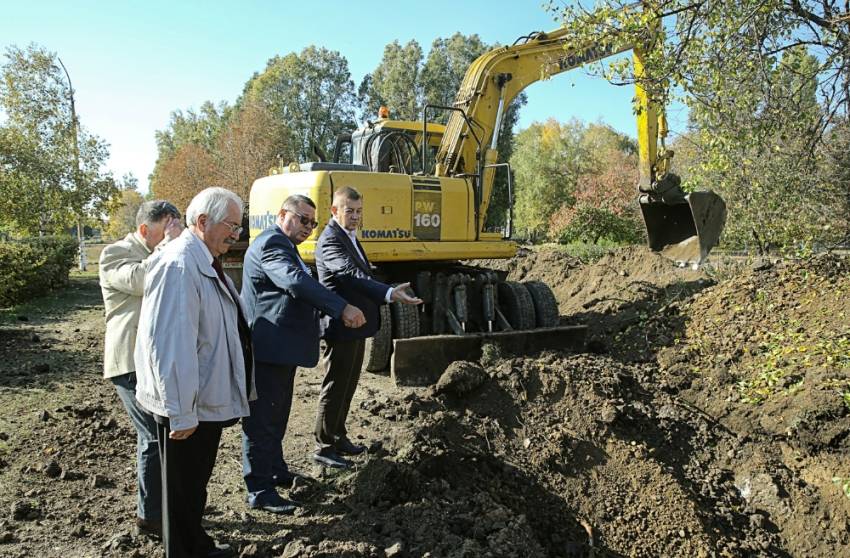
(468, 147)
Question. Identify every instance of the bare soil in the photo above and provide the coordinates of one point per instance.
(711, 417)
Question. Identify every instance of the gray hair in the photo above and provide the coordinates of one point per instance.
(212, 202)
(154, 211)
(291, 203)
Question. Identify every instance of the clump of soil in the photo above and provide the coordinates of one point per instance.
(460, 378)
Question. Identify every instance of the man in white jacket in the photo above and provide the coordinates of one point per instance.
(122, 280)
(194, 364)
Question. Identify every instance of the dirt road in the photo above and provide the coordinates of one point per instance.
(710, 420)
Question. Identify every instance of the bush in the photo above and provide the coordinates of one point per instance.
(33, 266)
(596, 225)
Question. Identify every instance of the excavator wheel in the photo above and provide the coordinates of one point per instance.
(545, 304)
(379, 347)
(516, 304)
(405, 320)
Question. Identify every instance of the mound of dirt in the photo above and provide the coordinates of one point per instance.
(619, 278)
(713, 422)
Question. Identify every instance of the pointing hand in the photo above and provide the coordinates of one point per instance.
(401, 293)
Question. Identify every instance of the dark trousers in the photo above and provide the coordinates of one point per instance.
(342, 361)
(186, 469)
(262, 432)
(148, 472)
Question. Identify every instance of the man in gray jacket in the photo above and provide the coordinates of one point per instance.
(122, 280)
(194, 364)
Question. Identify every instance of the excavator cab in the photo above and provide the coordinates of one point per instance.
(388, 145)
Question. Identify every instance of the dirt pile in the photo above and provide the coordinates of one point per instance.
(617, 279)
(710, 421)
(768, 354)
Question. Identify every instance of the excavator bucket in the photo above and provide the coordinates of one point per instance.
(420, 361)
(687, 230)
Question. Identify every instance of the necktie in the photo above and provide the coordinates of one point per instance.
(244, 330)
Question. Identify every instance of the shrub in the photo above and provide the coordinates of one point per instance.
(33, 266)
(595, 225)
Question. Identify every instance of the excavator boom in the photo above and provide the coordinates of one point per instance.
(690, 224)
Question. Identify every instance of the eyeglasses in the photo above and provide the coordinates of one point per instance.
(235, 228)
(305, 221)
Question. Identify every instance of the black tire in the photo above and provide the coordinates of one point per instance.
(405, 320)
(516, 304)
(545, 304)
(377, 352)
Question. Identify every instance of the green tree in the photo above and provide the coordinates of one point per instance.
(123, 208)
(761, 106)
(395, 83)
(766, 158)
(31, 200)
(311, 93)
(41, 186)
(548, 160)
(447, 63)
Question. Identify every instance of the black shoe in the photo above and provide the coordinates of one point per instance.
(329, 458)
(278, 506)
(219, 550)
(345, 447)
(148, 527)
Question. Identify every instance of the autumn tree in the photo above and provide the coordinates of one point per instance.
(604, 206)
(248, 147)
(182, 176)
(199, 128)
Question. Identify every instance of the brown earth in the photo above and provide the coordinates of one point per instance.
(710, 419)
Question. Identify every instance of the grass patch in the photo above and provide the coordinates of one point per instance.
(82, 290)
(586, 252)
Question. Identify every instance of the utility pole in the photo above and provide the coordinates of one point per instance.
(76, 167)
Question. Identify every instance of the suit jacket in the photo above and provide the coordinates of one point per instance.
(283, 301)
(345, 270)
(122, 281)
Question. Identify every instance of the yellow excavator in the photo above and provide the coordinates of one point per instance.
(427, 191)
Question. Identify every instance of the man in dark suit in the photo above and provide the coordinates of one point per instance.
(344, 269)
(282, 302)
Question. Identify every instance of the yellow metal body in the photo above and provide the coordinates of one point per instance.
(406, 218)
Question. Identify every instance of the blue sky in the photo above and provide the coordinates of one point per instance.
(132, 63)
